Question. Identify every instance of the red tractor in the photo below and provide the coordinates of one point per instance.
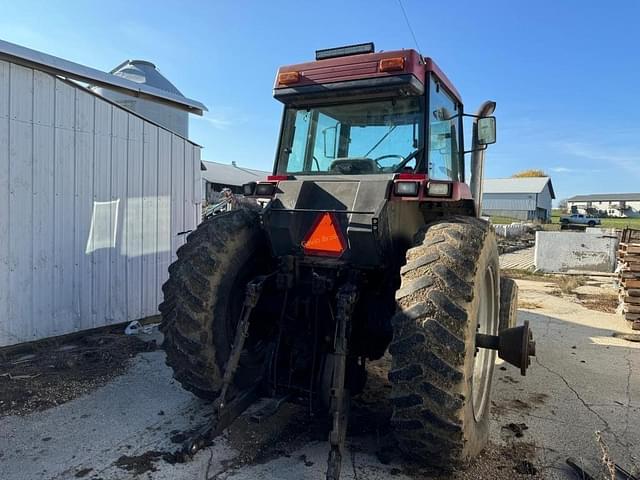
(370, 242)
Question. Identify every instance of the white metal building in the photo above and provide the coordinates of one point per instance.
(527, 198)
(93, 198)
(217, 176)
(610, 204)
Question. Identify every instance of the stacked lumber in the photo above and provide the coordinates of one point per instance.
(629, 277)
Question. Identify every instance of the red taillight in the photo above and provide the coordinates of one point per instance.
(411, 176)
(277, 178)
(325, 237)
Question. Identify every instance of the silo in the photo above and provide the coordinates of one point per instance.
(144, 72)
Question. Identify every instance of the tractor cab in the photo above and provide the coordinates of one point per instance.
(375, 141)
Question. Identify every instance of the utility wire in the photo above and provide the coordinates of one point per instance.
(406, 18)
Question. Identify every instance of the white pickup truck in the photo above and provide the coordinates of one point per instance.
(580, 219)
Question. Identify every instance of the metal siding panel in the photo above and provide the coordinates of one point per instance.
(84, 116)
(508, 202)
(21, 93)
(163, 255)
(198, 191)
(20, 319)
(150, 221)
(118, 273)
(64, 182)
(103, 215)
(65, 106)
(84, 158)
(133, 218)
(189, 206)
(4, 90)
(64, 311)
(177, 194)
(43, 98)
(43, 226)
(544, 199)
(197, 174)
(5, 338)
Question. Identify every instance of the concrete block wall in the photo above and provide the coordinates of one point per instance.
(593, 251)
(511, 230)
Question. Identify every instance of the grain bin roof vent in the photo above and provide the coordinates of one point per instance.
(145, 73)
(142, 71)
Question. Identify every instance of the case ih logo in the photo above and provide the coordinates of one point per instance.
(324, 238)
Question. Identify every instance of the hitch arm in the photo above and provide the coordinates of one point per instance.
(347, 297)
(225, 414)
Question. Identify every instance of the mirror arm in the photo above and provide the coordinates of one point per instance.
(479, 149)
(476, 116)
(477, 157)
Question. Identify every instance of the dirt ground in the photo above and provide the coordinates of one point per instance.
(48, 374)
(513, 244)
(124, 417)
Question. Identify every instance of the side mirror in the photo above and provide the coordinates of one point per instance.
(329, 136)
(486, 130)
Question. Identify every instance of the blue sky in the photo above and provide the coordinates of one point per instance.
(565, 74)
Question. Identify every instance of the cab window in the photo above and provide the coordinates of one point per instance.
(445, 160)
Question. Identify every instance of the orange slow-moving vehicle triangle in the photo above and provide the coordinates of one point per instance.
(325, 237)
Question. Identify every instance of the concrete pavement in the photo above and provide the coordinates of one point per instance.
(582, 381)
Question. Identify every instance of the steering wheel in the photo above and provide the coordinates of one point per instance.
(377, 160)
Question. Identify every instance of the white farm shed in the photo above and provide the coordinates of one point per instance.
(217, 176)
(93, 199)
(610, 204)
(523, 198)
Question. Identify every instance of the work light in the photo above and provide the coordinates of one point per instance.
(406, 189)
(438, 189)
(249, 188)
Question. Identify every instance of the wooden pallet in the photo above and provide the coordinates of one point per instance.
(629, 280)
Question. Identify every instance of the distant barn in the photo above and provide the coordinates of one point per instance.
(527, 198)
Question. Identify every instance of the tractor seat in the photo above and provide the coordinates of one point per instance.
(353, 166)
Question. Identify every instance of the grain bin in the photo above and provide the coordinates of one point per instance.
(144, 72)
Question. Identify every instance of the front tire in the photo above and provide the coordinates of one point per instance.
(440, 384)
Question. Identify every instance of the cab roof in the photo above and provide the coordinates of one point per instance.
(364, 66)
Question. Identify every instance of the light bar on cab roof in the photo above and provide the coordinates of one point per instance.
(345, 51)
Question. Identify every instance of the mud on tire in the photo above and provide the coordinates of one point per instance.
(433, 343)
(203, 298)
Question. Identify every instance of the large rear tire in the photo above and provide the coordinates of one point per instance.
(203, 299)
(440, 383)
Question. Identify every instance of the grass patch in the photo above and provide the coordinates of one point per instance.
(568, 283)
(528, 305)
(619, 223)
(525, 275)
(601, 303)
(503, 220)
